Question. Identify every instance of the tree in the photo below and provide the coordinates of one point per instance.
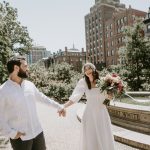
(14, 38)
(135, 57)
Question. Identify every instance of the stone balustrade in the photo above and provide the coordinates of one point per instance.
(133, 117)
(139, 93)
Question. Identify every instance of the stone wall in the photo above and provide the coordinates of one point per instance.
(131, 118)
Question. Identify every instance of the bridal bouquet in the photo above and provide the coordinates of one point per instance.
(113, 85)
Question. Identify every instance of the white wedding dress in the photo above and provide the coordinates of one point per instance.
(96, 124)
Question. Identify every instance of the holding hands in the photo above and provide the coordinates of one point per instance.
(62, 112)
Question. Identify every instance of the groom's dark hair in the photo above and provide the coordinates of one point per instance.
(16, 60)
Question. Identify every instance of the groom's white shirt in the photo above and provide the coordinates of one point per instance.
(18, 109)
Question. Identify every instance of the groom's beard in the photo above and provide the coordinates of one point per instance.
(22, 74)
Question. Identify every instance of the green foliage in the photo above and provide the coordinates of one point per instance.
(63, 72)
(57, 82)
(12, 32)
(146, 86)
(103, 72)
(135, 58)
(13, 37)
(3, 72)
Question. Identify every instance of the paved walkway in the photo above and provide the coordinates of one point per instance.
(64, 133)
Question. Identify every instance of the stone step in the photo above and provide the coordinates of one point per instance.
(132, 138)
(3, 142)
(128, 137)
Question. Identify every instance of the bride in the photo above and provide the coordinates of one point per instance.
(96, 124)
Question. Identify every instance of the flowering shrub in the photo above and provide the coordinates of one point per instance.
(57, 82)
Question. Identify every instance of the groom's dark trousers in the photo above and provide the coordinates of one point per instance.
(38, 143)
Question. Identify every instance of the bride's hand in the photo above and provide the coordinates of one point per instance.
(110, 96)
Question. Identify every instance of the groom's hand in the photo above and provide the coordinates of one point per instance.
(19, 134)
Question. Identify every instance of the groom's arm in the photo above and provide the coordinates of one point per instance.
(44, 99)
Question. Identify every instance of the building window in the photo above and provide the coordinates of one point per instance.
(119, 40)
(108, 54)
(107, 44)
(122, 39)
(148, 28)
(122, 29)
(107, 35)
(118, 22)
(107, 27)
(111, 33)
(118, 30)
(111, 26)
(121, 20)
(133, 16)
(112, 52)
(101, 34)
(125, 19)
(113, 62)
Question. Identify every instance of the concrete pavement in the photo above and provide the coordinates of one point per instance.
(63, 133)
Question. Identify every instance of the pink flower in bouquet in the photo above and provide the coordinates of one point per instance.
(113, 85)
(114, 75)
(112, 79)
(120, 87)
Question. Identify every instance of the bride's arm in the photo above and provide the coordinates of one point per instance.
(75, 97)
(69, 103)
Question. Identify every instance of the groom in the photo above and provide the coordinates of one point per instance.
(18, 116)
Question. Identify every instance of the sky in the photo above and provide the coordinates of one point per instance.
(55, 24)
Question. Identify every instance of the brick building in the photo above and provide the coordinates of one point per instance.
(37, 53)
(71, 56)
(147, 23)
(103, 26)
